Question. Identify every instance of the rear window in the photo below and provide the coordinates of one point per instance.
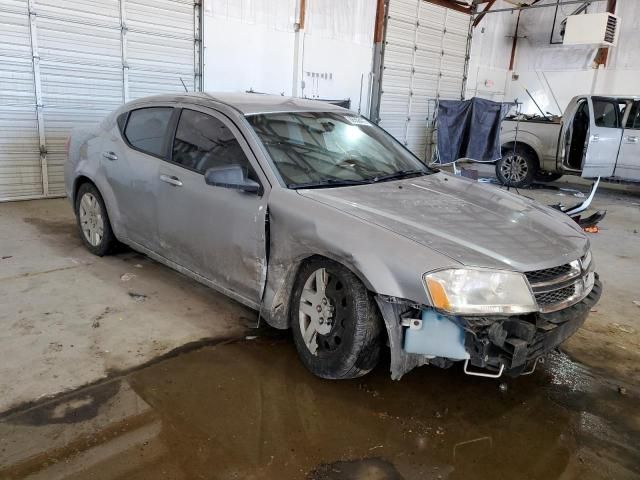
(147, 129)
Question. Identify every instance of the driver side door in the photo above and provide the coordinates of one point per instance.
(215, 232)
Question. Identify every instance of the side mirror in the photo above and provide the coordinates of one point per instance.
(234, 177)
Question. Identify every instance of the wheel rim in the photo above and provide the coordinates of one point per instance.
(91, 220)
(514, 168)
(322, 310)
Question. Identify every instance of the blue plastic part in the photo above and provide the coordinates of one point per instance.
(437, 336)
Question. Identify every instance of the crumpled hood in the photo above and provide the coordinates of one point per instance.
(473, 223)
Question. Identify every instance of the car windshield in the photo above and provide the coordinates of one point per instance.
(328, 149)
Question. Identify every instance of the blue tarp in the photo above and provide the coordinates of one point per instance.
(469, 129)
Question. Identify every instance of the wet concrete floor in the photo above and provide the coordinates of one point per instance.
(249, 410)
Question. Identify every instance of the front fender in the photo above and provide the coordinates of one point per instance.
(387, 263)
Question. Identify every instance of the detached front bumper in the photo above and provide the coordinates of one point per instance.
(495, 343)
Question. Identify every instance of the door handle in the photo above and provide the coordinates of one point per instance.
(631, 139)
(171, 180)
(595, 138)
(110, 156)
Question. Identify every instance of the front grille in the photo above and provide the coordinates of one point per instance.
(556, 287)
(536, 276)
(555, 296)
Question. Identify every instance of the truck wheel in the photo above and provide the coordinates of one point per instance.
(517, 168)
(337, 328)
(93, 220)
(545, 177)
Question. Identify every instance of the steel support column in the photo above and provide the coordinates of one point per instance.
(38, 90)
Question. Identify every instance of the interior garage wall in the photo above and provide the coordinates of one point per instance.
(552, 73)
(337, 51)
(423, 61)
(257, 45)
(249, 45)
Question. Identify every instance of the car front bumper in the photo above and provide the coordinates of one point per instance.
(515, 342)
(496, 344)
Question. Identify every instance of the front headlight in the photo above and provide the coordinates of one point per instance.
(479, 291)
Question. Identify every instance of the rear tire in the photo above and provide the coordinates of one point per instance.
(517, 168)
(93, 221)
(337, 328)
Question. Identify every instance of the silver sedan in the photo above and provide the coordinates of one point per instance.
(324, 223)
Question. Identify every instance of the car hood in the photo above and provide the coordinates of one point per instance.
(473, 223)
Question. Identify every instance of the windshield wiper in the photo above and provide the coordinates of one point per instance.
(330, 182)
(397, 175)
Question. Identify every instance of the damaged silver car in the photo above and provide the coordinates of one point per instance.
(325, 224)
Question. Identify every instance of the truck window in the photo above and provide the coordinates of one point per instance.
(606, 113)
(634, 117)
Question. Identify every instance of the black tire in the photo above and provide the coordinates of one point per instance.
(545, 177)
(352, 346)
(520, 173)
(108, 241)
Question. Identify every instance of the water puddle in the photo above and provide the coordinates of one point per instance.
(249, 410)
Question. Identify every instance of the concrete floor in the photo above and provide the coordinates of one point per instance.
(70, 318)
(250, 410)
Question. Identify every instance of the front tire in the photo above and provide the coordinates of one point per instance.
(517, 168)
(337, 328)
(93, 221)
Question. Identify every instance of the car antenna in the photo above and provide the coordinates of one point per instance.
(185, 87)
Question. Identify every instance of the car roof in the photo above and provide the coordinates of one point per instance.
(248, 103)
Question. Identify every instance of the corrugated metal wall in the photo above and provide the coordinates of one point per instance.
(69, 62)
(20, 169)
(424, 60)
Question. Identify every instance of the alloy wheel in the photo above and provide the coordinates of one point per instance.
(322, 311)
(91, 219)
(514, 168)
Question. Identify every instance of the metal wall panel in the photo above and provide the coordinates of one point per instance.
(424, 61)
(80, 71)
(160, 46)
(65, 63)
(20, 170)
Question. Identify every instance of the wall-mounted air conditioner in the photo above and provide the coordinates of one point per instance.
(592, 29)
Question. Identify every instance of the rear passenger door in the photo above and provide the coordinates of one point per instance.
(215, 232)
(628, 165)
(131, 165)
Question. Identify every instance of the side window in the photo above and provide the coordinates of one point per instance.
(634, 117)
(147, 129)
(606, 113)
(203, 142)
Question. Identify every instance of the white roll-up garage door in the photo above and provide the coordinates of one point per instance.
(425, 55)
(67, 63)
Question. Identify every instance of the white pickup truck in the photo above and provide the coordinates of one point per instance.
(596, 137)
